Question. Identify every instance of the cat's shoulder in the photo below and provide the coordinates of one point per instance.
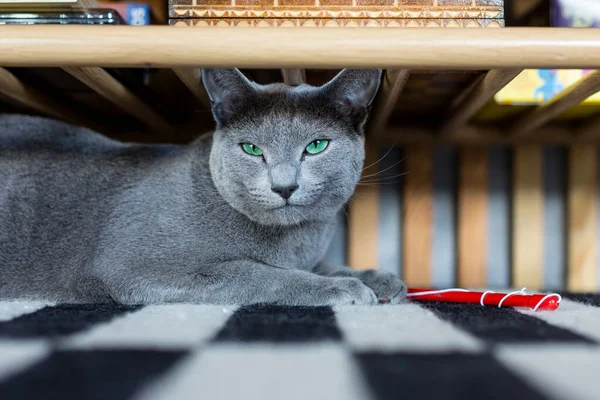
(31, 131)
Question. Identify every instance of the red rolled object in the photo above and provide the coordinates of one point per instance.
(550, 302)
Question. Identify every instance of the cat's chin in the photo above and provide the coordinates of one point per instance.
(288, 215)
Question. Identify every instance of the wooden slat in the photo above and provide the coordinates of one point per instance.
(192, 79)
(363, 217)
(417, 221)
(112, 90)
(13, 88)
(477, 97)
(387, 98)
(460, 98)
(481, 135)
(582, 231)
(528, 217)
(293, 76)
(570, 97)
(472, 217)
(392, 48)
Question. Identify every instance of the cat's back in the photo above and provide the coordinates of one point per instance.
(61, 187)
(42, 158)
(29, 133)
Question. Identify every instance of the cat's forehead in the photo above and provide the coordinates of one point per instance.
(288, 120)
(289, 128)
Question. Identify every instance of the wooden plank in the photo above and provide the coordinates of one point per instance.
(392, 48)
(13, 88)
(363, 217)
(481, 135)
(528, 217)
(387, 98)
(114, 91)
(570, 97)
(582, 198)
(417, 222)
(192, 79)
(472, 217)
(478, 96)
(293, 76)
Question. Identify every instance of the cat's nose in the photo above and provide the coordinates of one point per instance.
(284, 191)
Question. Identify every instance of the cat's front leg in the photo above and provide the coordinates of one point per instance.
(387, 287)
(237, 282)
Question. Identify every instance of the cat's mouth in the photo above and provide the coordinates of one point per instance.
(286, 206)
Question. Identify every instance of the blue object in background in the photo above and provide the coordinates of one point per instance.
(551, 85)
(137, 14)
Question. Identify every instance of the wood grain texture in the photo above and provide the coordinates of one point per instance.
(363, 217)
(192, 79)
(112, 90)
(387, 97)
(13, 88)
(417, 221)
(393, 48)
(485, 89)
(570, 97)
(582, 230)
(472, 217)
(528, 217)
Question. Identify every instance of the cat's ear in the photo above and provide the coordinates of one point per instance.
(228, 90)
(352, 91)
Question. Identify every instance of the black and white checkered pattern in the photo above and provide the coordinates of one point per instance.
(412, 351)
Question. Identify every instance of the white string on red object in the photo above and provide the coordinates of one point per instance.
(437, 292)
(521, 292)
(483, 296)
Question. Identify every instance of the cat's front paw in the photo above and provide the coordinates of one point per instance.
(346, 291)
(387, 287)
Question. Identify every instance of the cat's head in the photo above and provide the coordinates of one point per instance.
(284, 155)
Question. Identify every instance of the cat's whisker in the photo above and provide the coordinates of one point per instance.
(384, 156)
(383, 178)
(385, 169)
(217, 210)
(346, 214)
(379, 183)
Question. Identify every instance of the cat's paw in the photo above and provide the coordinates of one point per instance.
(387, 287)
(346, 291)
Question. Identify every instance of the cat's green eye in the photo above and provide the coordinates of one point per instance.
(317, 146)
(252, 149)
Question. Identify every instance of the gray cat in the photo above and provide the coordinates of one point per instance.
(242, 217)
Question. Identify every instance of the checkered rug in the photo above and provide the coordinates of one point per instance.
(413, 351)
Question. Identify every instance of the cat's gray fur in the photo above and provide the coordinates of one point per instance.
(87, 219)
